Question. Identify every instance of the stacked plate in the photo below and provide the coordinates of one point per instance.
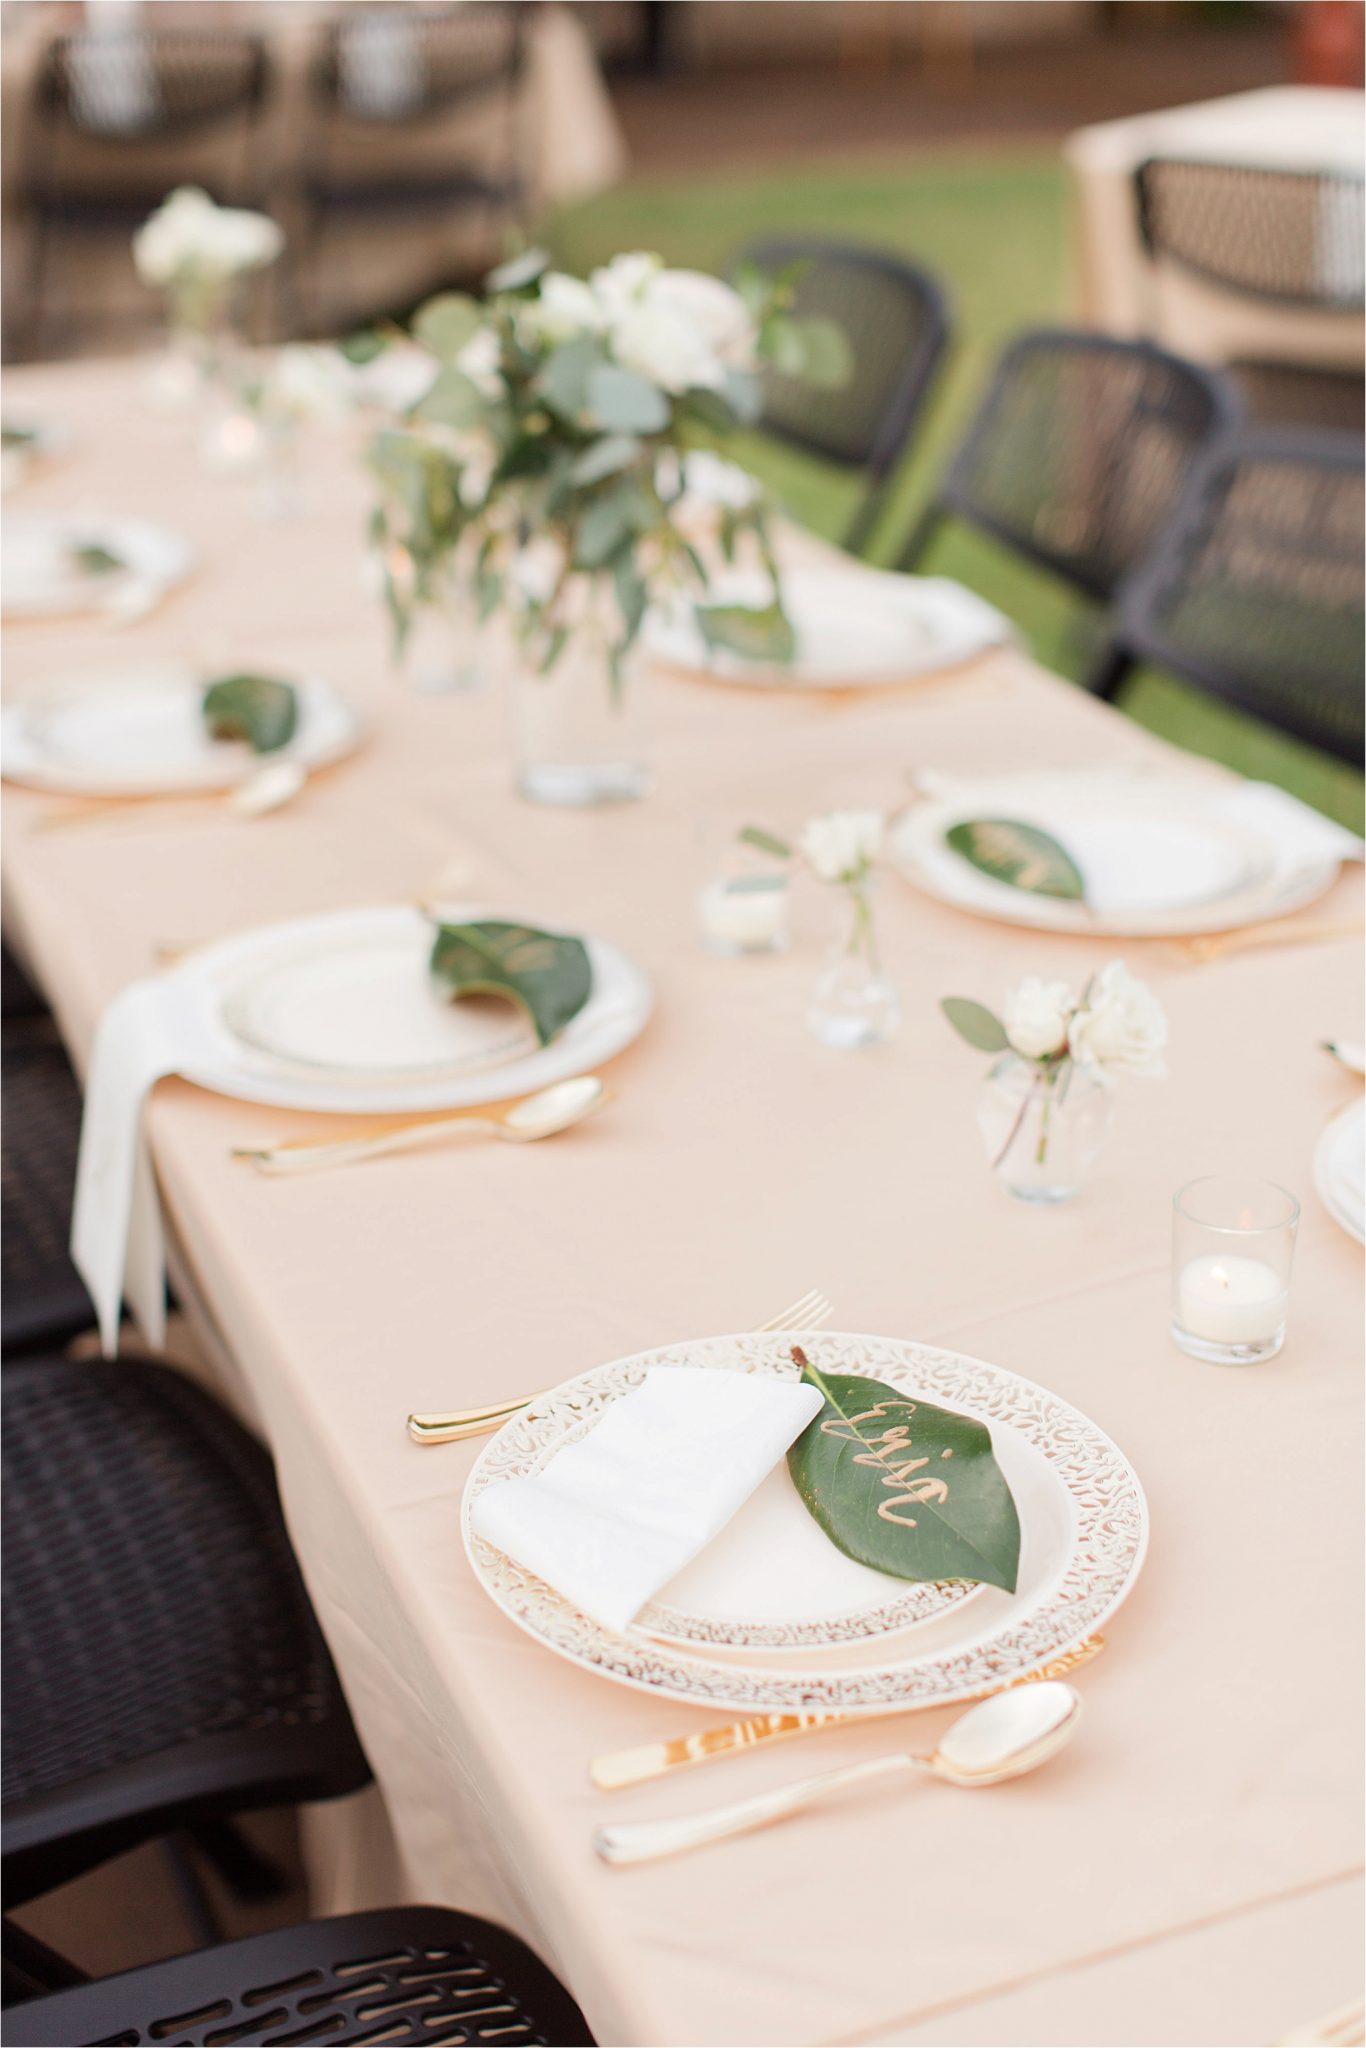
(340, 1014)
(1340, 1170)
(854, 627)
(1159, 855)
(772, 1618)
(53, 568)
(142, 733)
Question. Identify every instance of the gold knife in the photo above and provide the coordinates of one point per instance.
(661, 1759)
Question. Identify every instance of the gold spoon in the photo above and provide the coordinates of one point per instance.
(542, 1115)
(999, 1738)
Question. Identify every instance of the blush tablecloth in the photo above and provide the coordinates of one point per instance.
(1186, 1871)
(1120, 288)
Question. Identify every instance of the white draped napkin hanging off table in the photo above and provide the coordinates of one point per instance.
(336, 1014)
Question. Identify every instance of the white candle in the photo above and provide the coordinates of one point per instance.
(746, 916)
(1228, 1300)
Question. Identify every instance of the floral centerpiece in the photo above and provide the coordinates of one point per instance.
(1045, 1106)
(544, 476)
(195, 253)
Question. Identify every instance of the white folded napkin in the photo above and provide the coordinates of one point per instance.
(615, 1516)
(1302, 836)
(149, 1030)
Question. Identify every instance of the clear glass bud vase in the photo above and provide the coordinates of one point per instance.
(1043, 1127)
(579, 730)
(446, 647)
(854, 1004)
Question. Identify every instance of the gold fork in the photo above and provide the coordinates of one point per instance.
(1281, 931)
(808, 1312)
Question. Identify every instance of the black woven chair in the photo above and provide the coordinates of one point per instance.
(108, 89)
(42, 1297)
(380, 69)
(897, 320)
(1078, 453)
(1284, 237)
(18, 995)
(1254, 594)
(409, 1974)
(163, 1668)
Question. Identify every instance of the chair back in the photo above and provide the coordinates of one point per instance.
(896, 318)
(384, 66)
(1254, 594)
(1295, 238)
(133, 84)
(1081, 448)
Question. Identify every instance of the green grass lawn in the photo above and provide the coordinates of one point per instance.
(994, 228)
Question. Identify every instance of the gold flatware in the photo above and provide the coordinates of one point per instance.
(1000, 1738)
(543, 1115)
(626, 1767)
(267, 788)
(808, 1312)
(1281, 931)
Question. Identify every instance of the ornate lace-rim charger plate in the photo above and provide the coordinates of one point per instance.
(142, 732)
(338, 1014)
(42, 576)
(854, 627)
(1083, 1518)
(1338, 1170)
(1161, 860)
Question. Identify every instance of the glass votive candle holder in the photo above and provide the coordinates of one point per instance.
(1233, 1241)
(743, 906)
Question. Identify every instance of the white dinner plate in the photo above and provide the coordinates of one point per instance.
(41, 576)
(1340, 1170)
(142, 732)
(279, 1016)
(1156, 856)
(1083, 1521)
(854, 627)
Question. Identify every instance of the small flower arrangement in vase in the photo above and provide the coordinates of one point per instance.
(853, 1004)
(196, 253)
(543, 476)
(1044, 1110)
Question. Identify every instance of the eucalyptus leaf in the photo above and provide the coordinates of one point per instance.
(904, 1486)
(546, 974)
(563, 381)
(604, 527)
(518, 272)
(17, 437)
(363, 346)
(1019, 855)
(744, 394)
(624, 403)
(446, 323)
(606, 457)
(757, 634)
(453, 401)
(822, 348)
(262, 710)
(767, 842)
(93, 560)
(980, 1026)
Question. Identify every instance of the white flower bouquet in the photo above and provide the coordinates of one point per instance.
(195, 251)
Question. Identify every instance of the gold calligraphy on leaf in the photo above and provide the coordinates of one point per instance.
(888, 1450)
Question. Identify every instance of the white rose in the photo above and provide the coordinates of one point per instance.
(188, 236)
(716, 313)
(842, 845)
(1121, 1030)
(666, 348)
(708, 479)
(565, 306)
(308, 383)
(618, 285)
(481, 361)
(1035, 1016)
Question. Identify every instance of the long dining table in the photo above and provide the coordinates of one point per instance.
(1190, 1869)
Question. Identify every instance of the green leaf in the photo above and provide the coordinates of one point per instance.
(547, 974)
(818, 351)
(94, 560)
(632, 593)
(767, 842)
(604, 527)
(709, 410)
(976, 1023)
(518, 272)
(604, 458)
(563, 382)
(744, 394)
(1019, 855)
(625, 403)
(259, 709)
(904, 1486)
(453, 401)
(17, 437)
(363, 346)
(757, 635)
(446, 323)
